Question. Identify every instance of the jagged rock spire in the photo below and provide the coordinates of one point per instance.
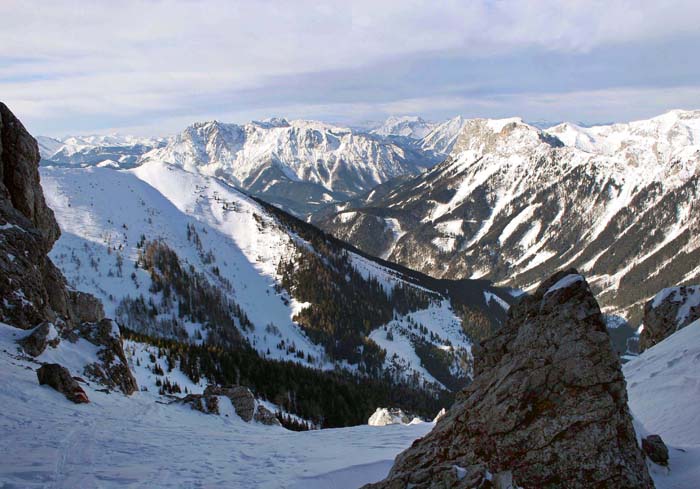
(547, 408)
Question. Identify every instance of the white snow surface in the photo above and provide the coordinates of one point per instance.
(100, 209)
(663, 386)
(117, 441)
(564, 282)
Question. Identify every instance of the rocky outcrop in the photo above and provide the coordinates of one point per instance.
(265, 416)
(33, 292)
(111, 369)
(241, 398)
(59, 378)
(655, 448)
(670, 310)
(38, 340)
(547, 408)
(386, 416)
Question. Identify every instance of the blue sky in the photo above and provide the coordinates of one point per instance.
(69, 67)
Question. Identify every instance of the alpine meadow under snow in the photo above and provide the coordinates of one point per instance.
(371, 245)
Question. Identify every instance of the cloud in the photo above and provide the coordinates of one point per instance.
(83, 66)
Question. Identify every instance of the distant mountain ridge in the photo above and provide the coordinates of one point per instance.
(513, 203)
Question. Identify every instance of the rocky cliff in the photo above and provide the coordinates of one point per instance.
(670, 310)
(547, 408)
(34, 292)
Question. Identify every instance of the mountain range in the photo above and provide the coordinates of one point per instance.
(512, 203)
(232, 319)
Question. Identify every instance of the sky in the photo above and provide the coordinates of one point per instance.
(154, 67)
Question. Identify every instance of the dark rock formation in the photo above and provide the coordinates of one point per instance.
(547, 408)
(43, 335)
(204, 403)
(112, 370)
(241, 397)
(265, 416)
(33, 291)
(58, 377)
(655, 448)
(670, 310)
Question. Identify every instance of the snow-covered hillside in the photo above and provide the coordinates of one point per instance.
(513, 203)
(108, 217)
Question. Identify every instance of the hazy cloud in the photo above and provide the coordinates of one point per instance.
(75, 66)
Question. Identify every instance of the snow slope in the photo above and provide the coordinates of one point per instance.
(663, 385)
(105, 213)
(117, 441)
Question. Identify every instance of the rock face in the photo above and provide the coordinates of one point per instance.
(58, 377)
(33, 291)
(241, 397)
(670, 310)
(655, 448)
(32, 288)
(265, 416)
(547, 408)
(43, 336)
(112, 369)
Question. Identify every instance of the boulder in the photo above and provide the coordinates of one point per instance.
(59, 378)
(208, 404)
(241, 398)
(671, 309)
(547, 408)
(655, 448)
(265, 416)
(41, 337)
(112, 369)
(386, 416)
(440, 415)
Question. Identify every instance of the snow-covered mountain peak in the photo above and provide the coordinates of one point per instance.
(500, 137)
(410, 126)
(442, 138)
(259, 155)
(659, 141)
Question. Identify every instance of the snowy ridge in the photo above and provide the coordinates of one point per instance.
(616, 202)
(333, 157)
(412, 127)
(443, 136)
(96, 150)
